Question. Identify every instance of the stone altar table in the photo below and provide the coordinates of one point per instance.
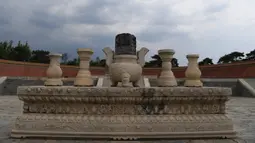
(123, 113)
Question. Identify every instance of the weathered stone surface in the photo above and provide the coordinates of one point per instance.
(241, 110)
(123, 113)
(123, 101)
(125, 92)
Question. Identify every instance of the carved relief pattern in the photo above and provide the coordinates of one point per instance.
(118, 109)
(122, 100)
(183, 123)
(130, 101)
(135, 91)
(124, 110)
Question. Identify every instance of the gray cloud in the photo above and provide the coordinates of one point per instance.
(4, 17)
(93, 13)
(4, 21)
(44, 20)
(216, 8)
(187, 27)
(157, 34)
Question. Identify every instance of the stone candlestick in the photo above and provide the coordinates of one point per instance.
(83, 77)
(193, 72)
(54, 72)
(166, 77)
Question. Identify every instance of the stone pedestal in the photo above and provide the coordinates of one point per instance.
(54, 72)
(166, 77)
(193, 72)
(83, 77)
(123, 113)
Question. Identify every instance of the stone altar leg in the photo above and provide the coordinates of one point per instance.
(136, 84)
(114, 84)
(125, 79)
(193, 72)
(83, 77)
(166, 77)
(54, 72)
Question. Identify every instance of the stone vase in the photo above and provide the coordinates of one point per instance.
(83, 77)
(193, 72)
(54, 72)
(166, 77)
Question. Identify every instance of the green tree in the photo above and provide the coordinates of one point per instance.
(175, 62)
(232, 57)
(40, 56)
(21, 52)
(102, 63)
(98, 62)
(65, 58)
(157, 62)
(6, 49)
(206, 61)
(250, 55)
(74, 62)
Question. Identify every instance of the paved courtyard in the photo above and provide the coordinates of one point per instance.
(241, 110)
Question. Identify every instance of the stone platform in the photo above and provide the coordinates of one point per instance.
(240, 109)
(123, 113)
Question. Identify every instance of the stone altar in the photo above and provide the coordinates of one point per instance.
(121, 113)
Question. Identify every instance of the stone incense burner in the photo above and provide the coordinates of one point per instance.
(125, 64)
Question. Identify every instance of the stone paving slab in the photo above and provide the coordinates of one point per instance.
(240, 109)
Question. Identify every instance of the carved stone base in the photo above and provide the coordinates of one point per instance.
(123, 113)
(193, 83)
(53, 82)
(140, 141)
(81, 81)
(167, 81)
(123, 126)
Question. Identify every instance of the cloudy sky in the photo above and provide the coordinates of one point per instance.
(210, 28)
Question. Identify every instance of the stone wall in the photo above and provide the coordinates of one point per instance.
(236, 70)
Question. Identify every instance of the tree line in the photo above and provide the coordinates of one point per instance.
(231, 58)
(23, 52)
